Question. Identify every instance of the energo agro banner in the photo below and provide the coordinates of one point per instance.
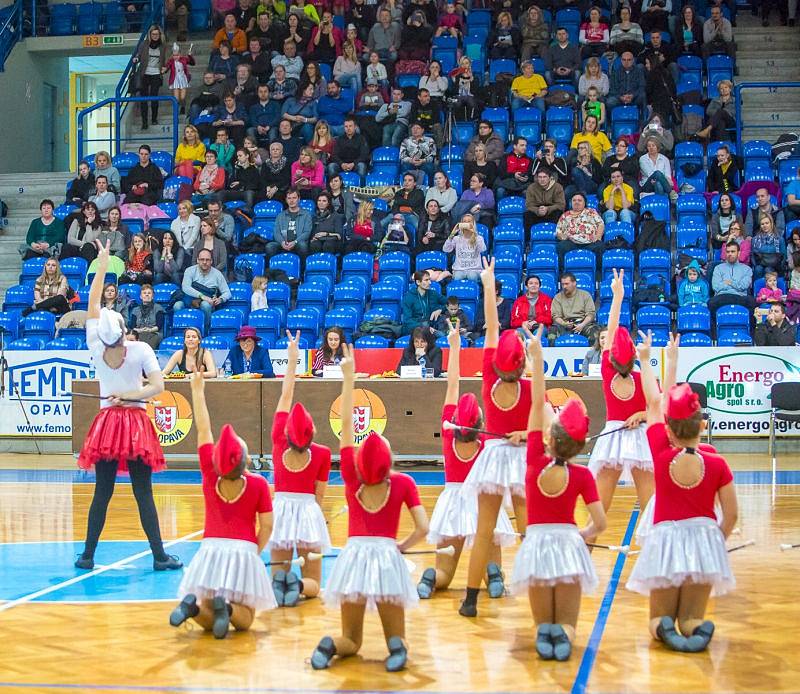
(738, 382)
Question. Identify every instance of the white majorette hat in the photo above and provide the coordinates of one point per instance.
(109, 327)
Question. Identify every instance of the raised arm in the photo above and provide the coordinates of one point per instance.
(201, 419)
(618, 294)
(453, 364)
(287, 389)
(536, 416)
(348, 380)
(671, 362)
(649, 382)
(96, 290)
(490, 304)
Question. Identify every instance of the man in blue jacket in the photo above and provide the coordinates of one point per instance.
(248, 357)
(292, 229)
(264, 117)
(627, 84)
(333, 107)
(422, 307)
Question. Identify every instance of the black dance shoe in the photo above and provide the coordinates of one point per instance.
(222, 618)
(171, 563)
(398, 655)
(427, 584)
(83, 563)
(562, 648)
(669, 635)
(323, 654)
(700, 637)
(544, 645)
(293, 589)
(468, 609)
(185, 610)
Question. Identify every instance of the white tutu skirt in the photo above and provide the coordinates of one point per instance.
(623, 450)
(371, 570)
(499, 469)
(298, 521)
(456, 515)
(677, 552)
(645, 525)
(232, 569)
(553, 553)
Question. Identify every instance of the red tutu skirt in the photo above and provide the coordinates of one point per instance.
(122, 434)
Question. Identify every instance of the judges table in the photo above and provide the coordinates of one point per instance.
(406, 411)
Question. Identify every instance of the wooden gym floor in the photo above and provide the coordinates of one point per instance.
(64, 630)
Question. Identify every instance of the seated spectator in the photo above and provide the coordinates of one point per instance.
(82, 234)
(245, 13)
(347, 69)
(655, 15)
(450, 23)
(428, 114)
(580, 227)
(222, 63)
(257, 60)
(476, 200)
(655, 129)
(791, 198)
(573, 310)
(302, 113)
(504, 40)
(626, 84)
(232, 34)
(737, 235)
(144, 181)
(660, 92)
(327, 227)
(442, 192)
(770, 293)
(776, 331)
(300, 19)
(689, 33)
(289, 60)
(619, 200)
(465, 88)
(139, 264)
(468, 245)
(342, 201)
(225, 150)
(333, 108)
(312, 75)
(280, 86)
(422, 350)
(593, 76)
(50, 291)
(330, 353)
(231, 117)
(491, 141)
(169, 260)
(731, 281)
(276, 173)
(722, 219)
(655, 172)
(764, 208)
(528, 89)
(593, 36)
(248, 357)
(718, 34)
(544, 199)
(322, 143)
(326, 40)
(416, 36)
(189, 153)
(191, 357)
(211, 178)
(46, 234)
(399, 233)
(595, 355)
(723, 172)
(562, 59)
(115, 233)
(546, 157)
(114, 301)
(663, 53)
(243, 86)
(421, 307)
(103, 167)
(433, 229)
(435, 83)
(623, 162)
(204, 287)
(480, 165)
(693, 290)
(587, 174)
(792, 248)
(535, 34)
(82, 186)
(721, 112)
(768, 248)
(453, 315)
(394, 118)
(291, 143)
(364, 230)
(418, 154)
(147, 318)
(384, 37)
(350, 150)
(209, 241)
(245, 182)
(219, 8)
(222, 220)
(308, 174)
(533, 308)
(204, 98)
(292, 229)
(503, 312)
(362, 16)
(596, 138)
(376, 70)
(626, 35)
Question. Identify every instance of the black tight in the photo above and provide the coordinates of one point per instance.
(141, 481)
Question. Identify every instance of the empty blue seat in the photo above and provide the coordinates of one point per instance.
(382, 311)
(188, 318)
(18, 296)
(693, 319)
(40, 324)
(170, 344)
(509, 234)
(691, 65)
(718, 67)
(372, 342)
(387, 294)
(321, 264)
(217, 341)
(225, 322)
(268, 323)
(288, 262)
(624, 121)
(9, 324)
(241, 293)
(571, 341)
(307, 321)
(350, 294)
(622, 229)
(658, 205)
(580, 261)
(345, 317)
(694, 339)
(68, 343)
(691, 208)
(124, 162)
(655, 318)
(26, 344)
(31, 270)
(268, 209)
(314, 296)
(619, 259)
(544, 233)
(396, 264)
(511, 207)
(162, 293)
(431, 259)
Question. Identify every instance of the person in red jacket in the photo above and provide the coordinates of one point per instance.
(532, 309)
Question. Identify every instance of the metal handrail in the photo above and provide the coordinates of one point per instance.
(116, 103)
(10, 32)
(737, 93)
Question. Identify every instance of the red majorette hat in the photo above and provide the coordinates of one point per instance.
(510, 354)
(574, 420)
(228, 451)
(682, 402)
(373, 459)
(299, 426)
(623, 349)
(468, 412)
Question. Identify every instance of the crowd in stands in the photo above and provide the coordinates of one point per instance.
(561, 139)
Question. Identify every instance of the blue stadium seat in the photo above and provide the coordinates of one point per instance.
(734, 337)
(124, 162)
(509, 260)
(498, 117)
(304, 343)
(372, 342)
(455, 174)
(251, 262)
(733, 325)
(312, 296)
(693, 319)
(262, 228)
(691, 208)
(267, 210)
(387, 294)
(357, 265)
(430, 259)
(307, 321)
(114, 18)
(63, 211)
(349, 178)
(268, 323)
(624, 318)
(510, 208)
(442, 342)
(62, 19)
(658, 205)
(619, 259)
(163, 292)
(691, 236)
(380, 312)
(350, 294)
(691, 65)
(463, 132)
(621, 229)
(528, 124)
(624, 121)
(509, 234)
(188, 318)
(217, 341)
(759, 284)
(468, 293)
(9, 324)
(396, 264)
(693, 339)
(31, 269)
(321, 264)
(25, 344)
(757, 151)
(240, 297)
(580, 261)
(559, 123)
(787, 171)
(288, 262)
(501, 65)
(67, 343)
(88, 18)
(345, 317)
(571, 341)
(655, 318)
(381, 178)
(544, 233)
(40, 324)
(18, 296)
(172, 187)
(163, 160)
(453, 154)
(171, 344)
(225, 323)
(131, 292)
(386, 160)
(718, 67)
(542, 259)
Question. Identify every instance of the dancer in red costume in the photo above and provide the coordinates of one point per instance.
(455, 516)
(301, 478)
(121, 438)
(553, 565)
(370, 571)
(625, 453)
(226, 582)
(498, 474)
(684, 558)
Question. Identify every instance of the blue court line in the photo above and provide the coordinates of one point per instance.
(423, 477)
(592, 647)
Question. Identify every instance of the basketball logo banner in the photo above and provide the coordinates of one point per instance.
(369, 414)
(172, 418)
